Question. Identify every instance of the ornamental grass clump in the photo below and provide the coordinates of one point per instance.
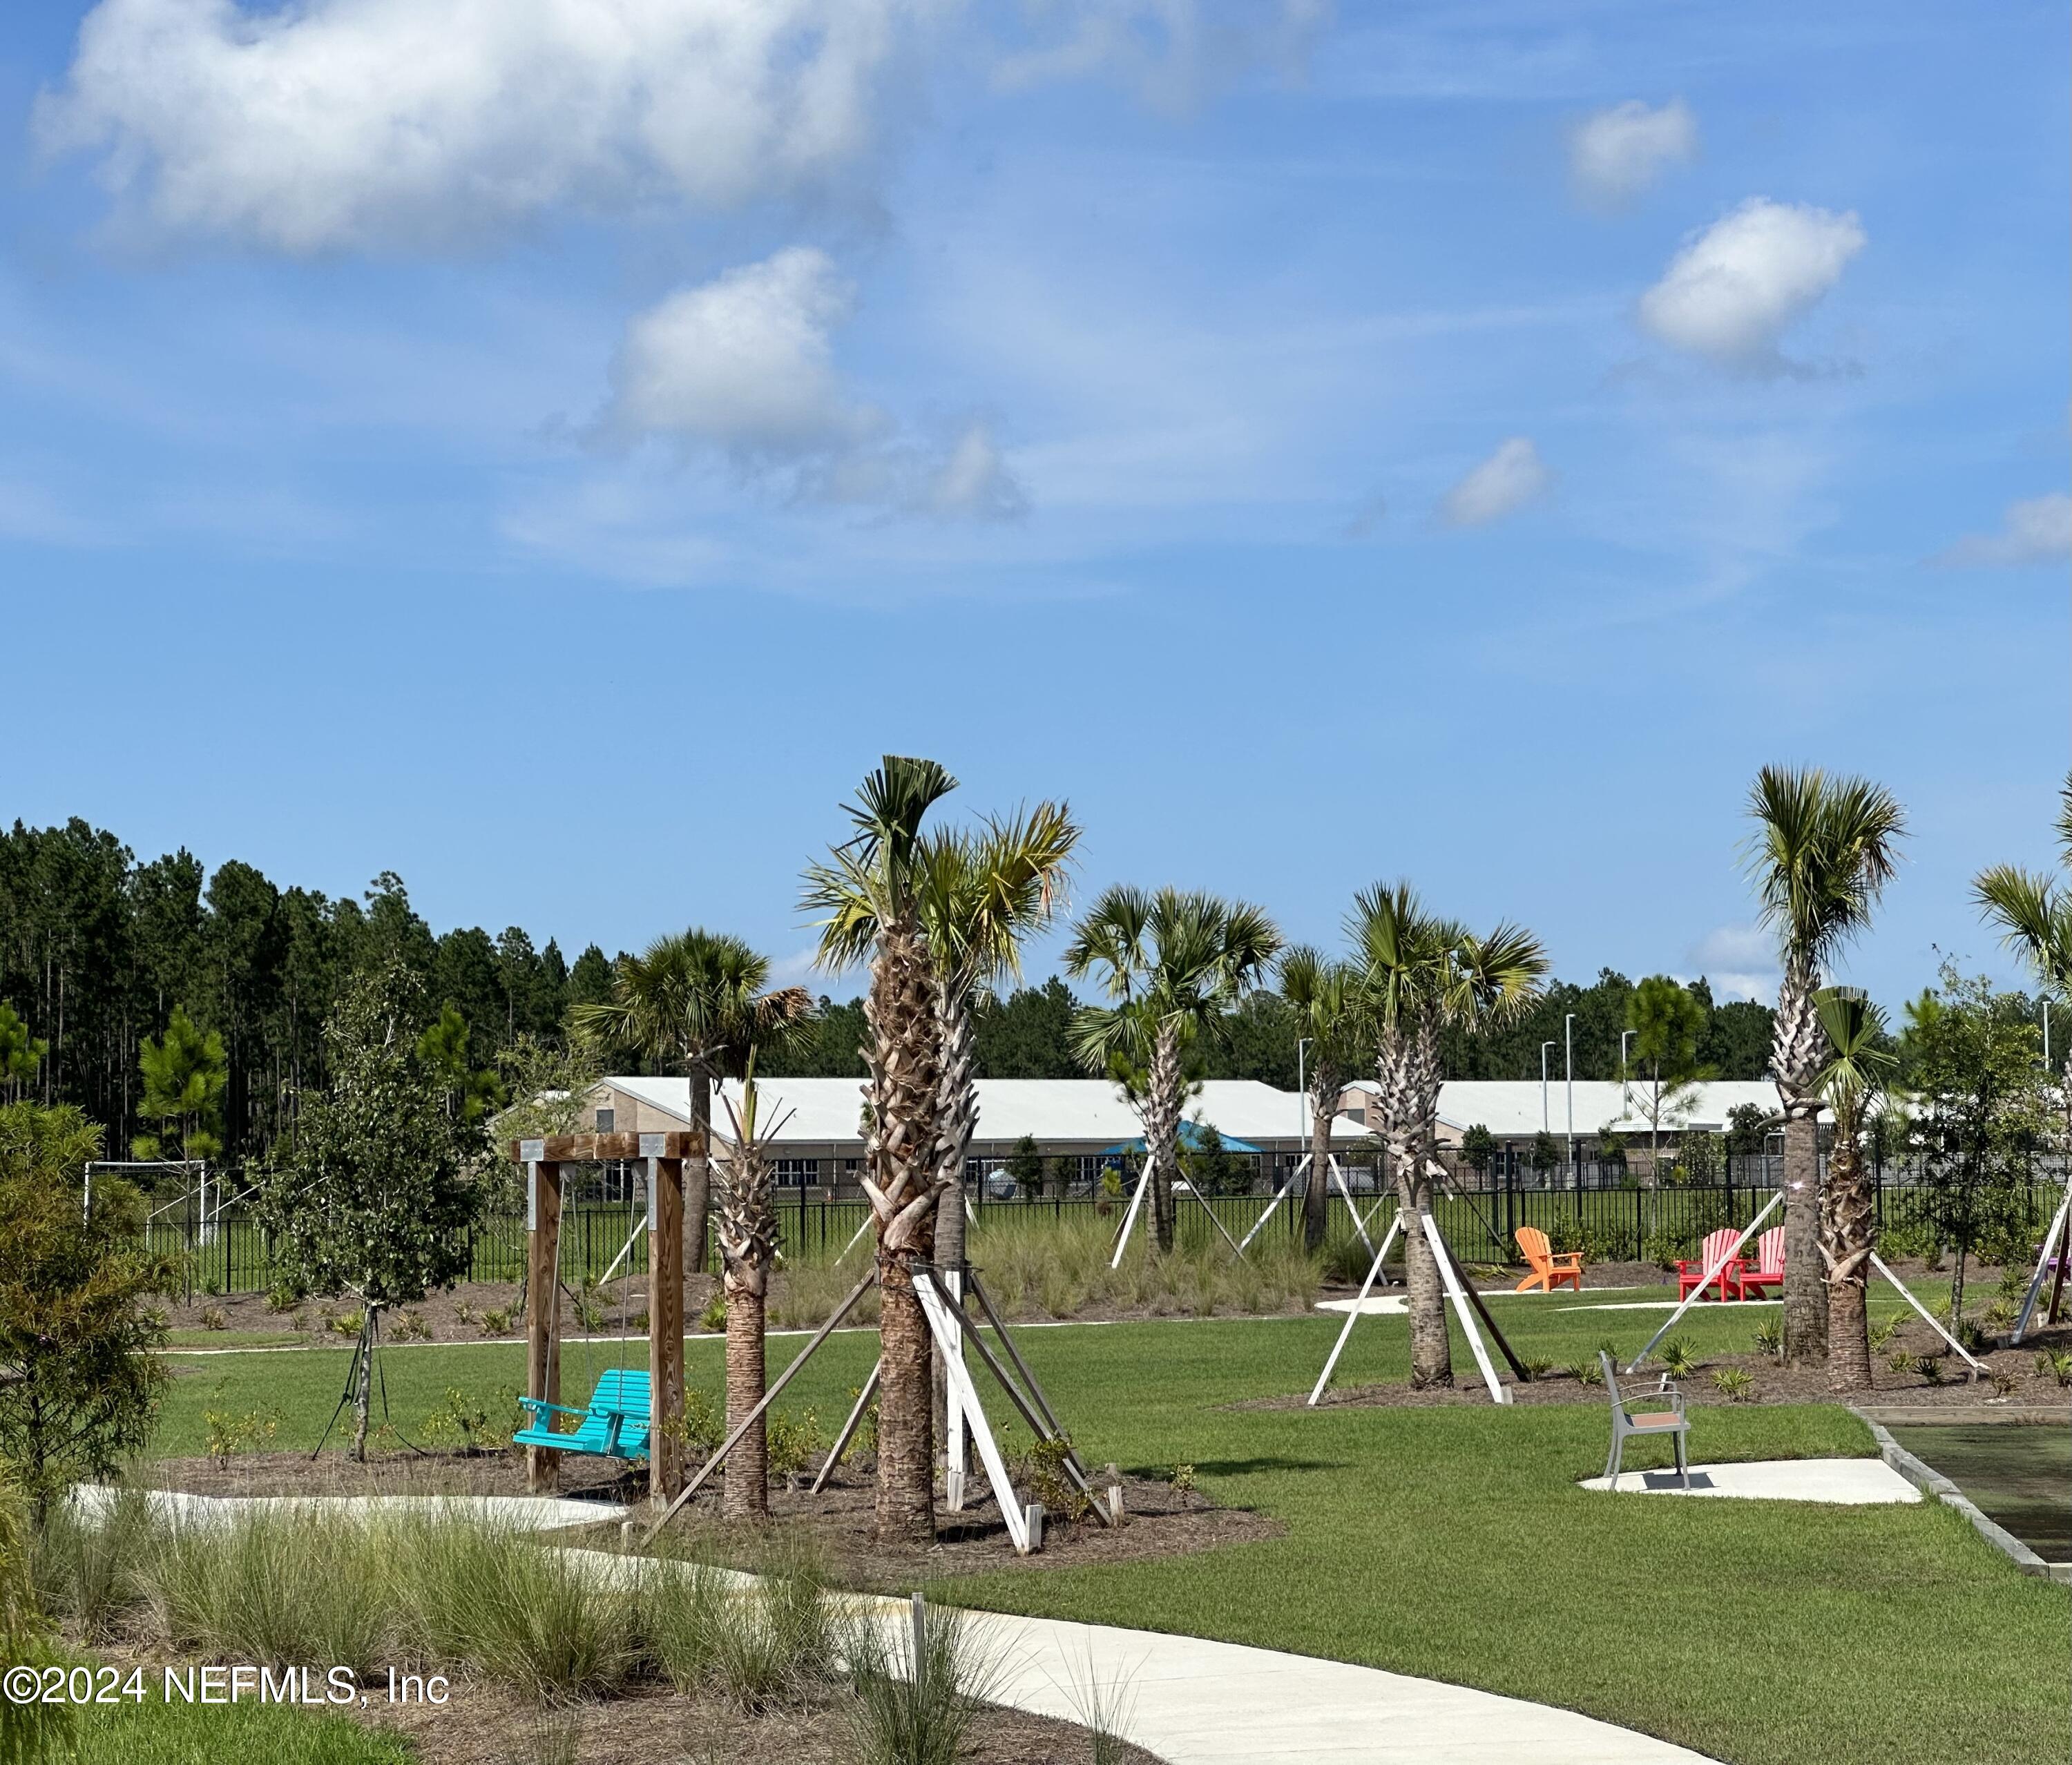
(90, 1566)
(915, 1696)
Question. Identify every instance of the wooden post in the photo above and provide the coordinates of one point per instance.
(542, 1306)
(665, 1321)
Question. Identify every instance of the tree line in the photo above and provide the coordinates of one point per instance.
(99, 950)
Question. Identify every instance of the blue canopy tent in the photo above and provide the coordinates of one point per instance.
(1191, 1135)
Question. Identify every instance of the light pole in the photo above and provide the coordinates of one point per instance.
(1568, 1081)
(1545, 1124)
(1302, 1093)
(1625, 1086)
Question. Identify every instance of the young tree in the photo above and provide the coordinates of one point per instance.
(80, 1375)
(1666, 1023)
(1822, 851)
(1172, 963)
(443, 1047)
(384, 1182)
(1478, 1149)
(2033, 913)
(1969, 1055)
(875, 880)
(747, 1222)
(1422, 975)
(694, 1001)
(184, 1077)
(1025, 1165)
(20, 1055)
(1546, 1156)
(1325, 999)
(1857, 1071)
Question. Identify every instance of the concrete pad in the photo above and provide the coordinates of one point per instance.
(527, 1513)
(1375, 1305)
(1844, 1482)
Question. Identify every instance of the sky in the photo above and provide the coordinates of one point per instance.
(550, 449)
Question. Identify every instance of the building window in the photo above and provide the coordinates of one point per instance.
(605, 1118)
(797, 1173)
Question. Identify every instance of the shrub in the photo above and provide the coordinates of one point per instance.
(284, 1296)
(1183, 1481)
(2056, 1363)
(1043, 1468)
(213, 1317)
(793, 1442)
(1537, 1366)
(230, 1433)
(1881, 1333)
(1769, 1337)
(347, 1323)
(713, 1317)
(465, 1422)
(1734, 1384)
(496, 1321)
(2003, 1382)
(1679, 1357)
(409, 1326)
(1585, 1372)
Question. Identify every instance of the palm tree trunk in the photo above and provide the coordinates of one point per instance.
(1316, 1197)
(960, 1121)
(1849, 1229)
(698, 1171)
(1805, 1289)
(1797, 1051)
(1161, 1131)
(1409, 1095)
(903, 1154)
(746, 1493)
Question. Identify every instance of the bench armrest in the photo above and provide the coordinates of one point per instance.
(536, 1404)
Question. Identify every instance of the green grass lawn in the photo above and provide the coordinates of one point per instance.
(1452, 1542)
(153, 1733)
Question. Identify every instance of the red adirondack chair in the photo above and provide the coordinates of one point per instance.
(1716, 1253)
(1755, 1283)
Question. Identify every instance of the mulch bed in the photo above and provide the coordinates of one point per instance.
(487, 1725)
(1770, 1383)
(1158, 1520)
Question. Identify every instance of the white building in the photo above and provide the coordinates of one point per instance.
(1516, 1111)
(813, 1127)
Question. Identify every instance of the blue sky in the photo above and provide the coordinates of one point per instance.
(551, 450)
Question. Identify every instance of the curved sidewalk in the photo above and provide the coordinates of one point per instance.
(1194, 1702)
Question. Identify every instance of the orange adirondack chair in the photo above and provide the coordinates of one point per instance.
(1768, 1270)
(1548, 1270)
(1716, 1251)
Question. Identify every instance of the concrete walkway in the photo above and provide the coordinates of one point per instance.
(1194, 1702)
(1189, 1701)
(527, 1513)
(1850, 1483)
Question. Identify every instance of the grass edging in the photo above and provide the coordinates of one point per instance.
(1930, 1481)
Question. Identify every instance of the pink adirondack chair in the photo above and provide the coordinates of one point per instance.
(1718, 1250)
(1755, 1283)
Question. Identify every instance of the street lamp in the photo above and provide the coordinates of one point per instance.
(1568, 1081)
(1543, 1123)
(1625, 1086)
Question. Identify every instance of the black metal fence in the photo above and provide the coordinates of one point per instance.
(1608, 1222)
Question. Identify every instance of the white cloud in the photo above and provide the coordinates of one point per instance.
(1171, 51)
(348, 123)
(745, 361)
(1616, 154)
(744, 365)
(2038, 531)
(1507, 480)
(1729, 294)
(1740, 961)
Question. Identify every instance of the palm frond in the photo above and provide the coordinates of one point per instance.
(2034, 915)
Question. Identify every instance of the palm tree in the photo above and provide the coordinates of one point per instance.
(2034, 915)
(1172, 963)
(695, 1000)
(1859, 1064)
(985, 893)
(870, 893)
(747, 1220)
(1420, 976)
(1325, 997)
(1822, 851)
